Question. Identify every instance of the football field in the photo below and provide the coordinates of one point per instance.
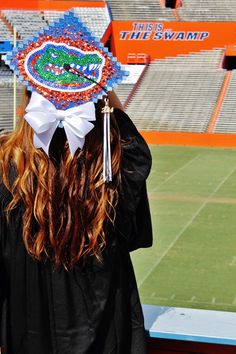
(192, 193)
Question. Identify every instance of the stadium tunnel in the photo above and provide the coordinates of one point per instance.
(229, 60)
(173, 4)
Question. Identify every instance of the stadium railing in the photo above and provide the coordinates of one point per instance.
(186, 330)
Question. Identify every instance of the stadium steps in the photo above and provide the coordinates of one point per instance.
(123, 91)
(176, 15)
(140, 10)
(126, 87)
(6, 32)
(226, 122)
(6, 94)
(219, 103)
(178, 94)
(207, 10)
(26, 24)
(95, 18)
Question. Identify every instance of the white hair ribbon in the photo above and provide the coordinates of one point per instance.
(44, 118)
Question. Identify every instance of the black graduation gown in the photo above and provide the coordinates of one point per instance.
(90, 310)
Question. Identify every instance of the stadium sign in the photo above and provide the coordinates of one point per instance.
(164, 39)
(157, 32)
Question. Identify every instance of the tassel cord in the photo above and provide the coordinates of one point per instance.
(107, 166)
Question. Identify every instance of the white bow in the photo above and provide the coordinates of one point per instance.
(44, 118)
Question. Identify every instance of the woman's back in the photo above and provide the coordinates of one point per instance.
(94, 306)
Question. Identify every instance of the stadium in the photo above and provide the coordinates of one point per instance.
(181, 95)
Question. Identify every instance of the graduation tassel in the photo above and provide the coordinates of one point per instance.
(107, 168)
(106, 110)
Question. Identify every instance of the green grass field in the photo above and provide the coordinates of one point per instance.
(192, 263)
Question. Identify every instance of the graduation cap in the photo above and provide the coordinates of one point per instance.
(66, 67)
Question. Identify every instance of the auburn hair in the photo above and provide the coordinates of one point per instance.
(67, 205)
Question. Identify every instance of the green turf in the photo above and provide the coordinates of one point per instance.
(192, 263)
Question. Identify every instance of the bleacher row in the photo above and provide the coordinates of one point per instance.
(5, 33)
(178, 94)
(208, 10)
(191, 10)
(97, 19)
(226, 121)
(6, 98)
(28, 24)
(123, 91)
(140, 10)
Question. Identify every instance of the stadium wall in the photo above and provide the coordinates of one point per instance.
(190, 139)
(157, 39)
(163, 39)
(47, 5)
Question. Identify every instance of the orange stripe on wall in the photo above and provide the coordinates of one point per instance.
(219, 102)
(190, 139)
(65, 5)
(14, 5)
(176, 15)
(107, 34)
(47, 5)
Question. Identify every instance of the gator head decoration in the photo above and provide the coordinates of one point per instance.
(45, 65)
(39, 61)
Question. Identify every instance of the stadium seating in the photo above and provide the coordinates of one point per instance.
(123, 91)
(208, 10)
(125, 88)
(52, 15)
(226, 122)
(26, 24)
(5, 72)
(140, 10)
(5, 34)
(96, 19)
(6, 94)
(178, 94)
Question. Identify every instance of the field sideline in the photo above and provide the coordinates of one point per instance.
(192, 193)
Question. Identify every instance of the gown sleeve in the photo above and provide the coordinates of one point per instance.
(135, 220)
(2, 268)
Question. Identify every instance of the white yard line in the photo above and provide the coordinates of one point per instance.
(185, 227)
(180, 301)
(175, 173)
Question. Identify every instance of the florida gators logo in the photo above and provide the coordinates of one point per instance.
(39, 63)
(44, 65)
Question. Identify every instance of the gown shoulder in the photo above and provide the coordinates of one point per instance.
(136, 163)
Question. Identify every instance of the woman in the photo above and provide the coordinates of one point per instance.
(66, 279)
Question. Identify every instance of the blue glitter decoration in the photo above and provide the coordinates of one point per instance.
(39, 63)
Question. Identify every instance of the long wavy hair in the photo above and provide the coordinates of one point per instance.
(67, 205)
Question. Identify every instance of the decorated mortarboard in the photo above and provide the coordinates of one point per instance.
(67, 69)
(66, 64)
